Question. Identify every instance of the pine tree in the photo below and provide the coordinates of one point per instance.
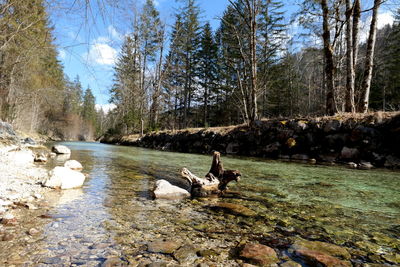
(272, 36)
(88, 107)
(150, 38)
(73, 97)
(190, 47)
(31, 77)
(174, 69)
(207, 69)
(126, 91)
(393, 61)
(89, 115)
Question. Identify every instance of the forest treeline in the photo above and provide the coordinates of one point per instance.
(190, 75)
(35, 94)
(250, 67)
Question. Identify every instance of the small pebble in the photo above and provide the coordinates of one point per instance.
(33, 231)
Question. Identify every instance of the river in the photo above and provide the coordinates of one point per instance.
(114, 216)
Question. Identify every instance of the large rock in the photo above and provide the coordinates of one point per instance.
(64, 178)
(318, 253)
(316, 258)
(323, 247)
(73, 165)
(7, 134)
(259, 254)
(349, 153)
(59, 149)
(332, 126)
(164, 190)
(165, 247)
(392, 162)
(232, 148)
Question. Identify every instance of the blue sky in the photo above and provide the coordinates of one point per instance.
(89, 40)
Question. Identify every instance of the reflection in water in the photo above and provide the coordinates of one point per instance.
(61, 159)
(114, 214)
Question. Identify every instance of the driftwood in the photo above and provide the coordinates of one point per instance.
(215, 181)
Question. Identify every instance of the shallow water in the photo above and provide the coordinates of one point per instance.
(114, 214)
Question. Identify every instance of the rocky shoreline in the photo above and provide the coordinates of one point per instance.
(365, 142)
(24, 178)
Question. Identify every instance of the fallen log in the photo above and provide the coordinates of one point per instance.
(215, 181)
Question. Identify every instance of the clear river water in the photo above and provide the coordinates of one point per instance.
(114, 216)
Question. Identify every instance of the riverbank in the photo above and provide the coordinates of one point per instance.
(20, 182)
(362, 141)
(20, 175)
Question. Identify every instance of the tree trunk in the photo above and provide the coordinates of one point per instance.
(157, 91)
(350, 72)
(329, 65)
(356, 23)
(253, 8)
(369, 59)
(205, 114)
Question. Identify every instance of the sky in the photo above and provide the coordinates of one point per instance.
(88, 45)
(89, 40)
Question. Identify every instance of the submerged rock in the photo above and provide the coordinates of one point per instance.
(73, 165)
(316, 258)
(321, 253)
(165, 247)
(186, 254)
(323, 247)
(235, 209)
(7, 237)
(64, 178)
(290, 264)
(59, 149)
(259, 254)
(164, 190)
(113, 262)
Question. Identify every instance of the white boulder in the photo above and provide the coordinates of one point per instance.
(73, 165)
(64, 178)
(59, 149)
(164, 190)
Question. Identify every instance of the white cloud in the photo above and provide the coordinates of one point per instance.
(383, 20)
(101, 53)
(105, 107)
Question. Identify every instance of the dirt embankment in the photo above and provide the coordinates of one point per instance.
(362, 141)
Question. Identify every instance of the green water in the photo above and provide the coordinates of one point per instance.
(114, 213)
